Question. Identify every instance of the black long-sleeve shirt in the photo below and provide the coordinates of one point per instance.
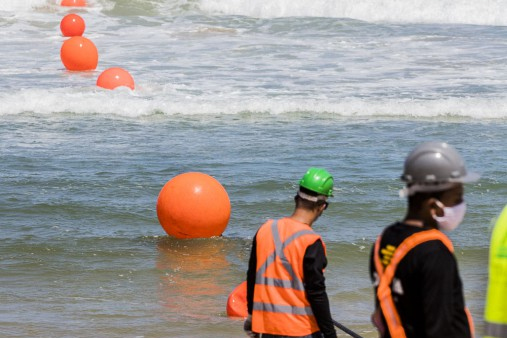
(427, 288)
(314, 263)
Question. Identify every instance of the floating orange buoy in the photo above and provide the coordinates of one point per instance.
(115, 77)
(72, 25)
(79, 53)
(193, 205)
(236, 303)
(73, 3)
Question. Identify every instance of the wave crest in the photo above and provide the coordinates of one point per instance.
(487, 12)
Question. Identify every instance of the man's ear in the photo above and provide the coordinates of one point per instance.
(322, 207)
(434, 207)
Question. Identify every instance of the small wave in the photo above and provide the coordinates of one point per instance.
(22, 6)
(489, 12)
(124, 103)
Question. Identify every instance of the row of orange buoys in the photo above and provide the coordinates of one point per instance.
(190, 205)
(80, 54)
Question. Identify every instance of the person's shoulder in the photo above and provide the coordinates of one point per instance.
(434, 257)
(401, 229)
(434, 250)
(396, 233)
(434, 246)
(265, 226)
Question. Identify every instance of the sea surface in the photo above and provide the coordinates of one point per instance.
(251, 92)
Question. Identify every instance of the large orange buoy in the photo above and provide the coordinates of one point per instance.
(115, 77)
(72, 25)
(73, 3)
(79, 53)
(236, 303)
(193, 205)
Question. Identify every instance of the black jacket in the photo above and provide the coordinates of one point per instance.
(427, 289)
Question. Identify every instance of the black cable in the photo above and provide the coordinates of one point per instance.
(346, 330)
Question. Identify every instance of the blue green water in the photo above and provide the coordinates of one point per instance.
(81, 240)
(252, 92)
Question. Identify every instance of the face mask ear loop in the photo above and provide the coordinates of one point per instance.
(441, 206)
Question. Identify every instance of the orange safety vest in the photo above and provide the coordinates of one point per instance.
(280, 306)
(386, 277)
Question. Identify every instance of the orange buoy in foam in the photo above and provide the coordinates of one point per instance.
(236, 303)
(73, 3)
(79, 53)
(193, 205)
(72, 25)
(115, 77)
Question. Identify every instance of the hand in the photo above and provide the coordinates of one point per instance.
(247, 326)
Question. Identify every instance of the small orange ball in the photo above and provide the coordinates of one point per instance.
(79, 53)
(73, 3)
(72, 25)
(193, 205)
(236, 302)
(115, 77)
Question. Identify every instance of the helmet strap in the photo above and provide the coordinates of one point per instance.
(309, 197)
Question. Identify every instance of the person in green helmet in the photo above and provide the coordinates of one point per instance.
(286, 290)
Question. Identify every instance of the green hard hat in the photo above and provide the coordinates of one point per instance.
(318, 180)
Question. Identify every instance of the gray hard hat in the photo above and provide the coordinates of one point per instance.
(435, 163)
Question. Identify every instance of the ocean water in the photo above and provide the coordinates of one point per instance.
(252, 93)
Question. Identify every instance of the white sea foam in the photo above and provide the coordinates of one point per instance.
(487, 12)
(25, 5)
(228, 65)
(126, 103)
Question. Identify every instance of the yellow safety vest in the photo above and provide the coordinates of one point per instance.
(496, 301)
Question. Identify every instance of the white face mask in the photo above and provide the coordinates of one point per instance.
(452, 217)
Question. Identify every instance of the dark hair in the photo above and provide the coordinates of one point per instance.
(417, 199)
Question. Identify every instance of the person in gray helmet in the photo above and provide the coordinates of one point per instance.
(418, 289)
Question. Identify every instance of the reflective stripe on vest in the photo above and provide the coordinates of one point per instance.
(496, 302)
(280, 305)
(282, 309)
(295, 282)
(386, 275)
